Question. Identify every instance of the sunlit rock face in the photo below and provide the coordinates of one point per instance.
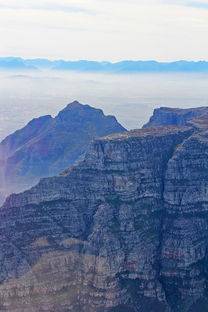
(123, 231)
(166, 116)
(46, 145)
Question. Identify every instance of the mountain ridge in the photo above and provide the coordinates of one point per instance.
(123, 230)
(126, 66)
(164, 116)
(47, 145)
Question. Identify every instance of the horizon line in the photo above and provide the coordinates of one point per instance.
(101, 61)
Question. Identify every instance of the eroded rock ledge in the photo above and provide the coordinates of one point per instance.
(125, 230)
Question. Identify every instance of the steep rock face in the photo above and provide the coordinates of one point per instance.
(184, 255)
(46, 145)
(125, 230)
(166, 116)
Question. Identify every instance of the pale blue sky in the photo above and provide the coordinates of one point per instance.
(111, 30)
(200, 5)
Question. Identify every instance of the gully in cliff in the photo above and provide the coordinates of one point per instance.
(123, 230)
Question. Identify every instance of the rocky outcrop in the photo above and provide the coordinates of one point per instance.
(46, 145)
(123, 231)
(166, 116)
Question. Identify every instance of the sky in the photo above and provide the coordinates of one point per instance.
(105, 30)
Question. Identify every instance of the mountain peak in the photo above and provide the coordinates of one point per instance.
(76, 110)
(131, 216)
(74, 105)
(46, 145)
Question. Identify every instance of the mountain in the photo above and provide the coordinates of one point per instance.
(125, 230)
(166, 116)
(125, 66)
(16, 63)
(46, 145)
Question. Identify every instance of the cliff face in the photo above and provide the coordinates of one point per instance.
(123, 231)
(166, 116)
(46, 145)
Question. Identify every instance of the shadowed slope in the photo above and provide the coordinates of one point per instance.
(46, 145)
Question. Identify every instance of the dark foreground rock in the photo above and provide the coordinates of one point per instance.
(126, 230)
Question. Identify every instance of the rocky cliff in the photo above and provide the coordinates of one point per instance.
(166, 116)
(125, 230)
(46, 145)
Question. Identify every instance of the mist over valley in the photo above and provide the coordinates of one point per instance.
(130, 97)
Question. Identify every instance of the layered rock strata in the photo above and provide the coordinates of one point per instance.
(123, 231)
(166, 116)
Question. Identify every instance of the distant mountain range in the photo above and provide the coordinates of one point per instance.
(125, 66)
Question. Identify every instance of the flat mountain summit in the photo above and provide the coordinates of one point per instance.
(124, 230)
(164, 116)
(46, 145)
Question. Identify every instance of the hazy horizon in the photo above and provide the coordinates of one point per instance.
(130, 97)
